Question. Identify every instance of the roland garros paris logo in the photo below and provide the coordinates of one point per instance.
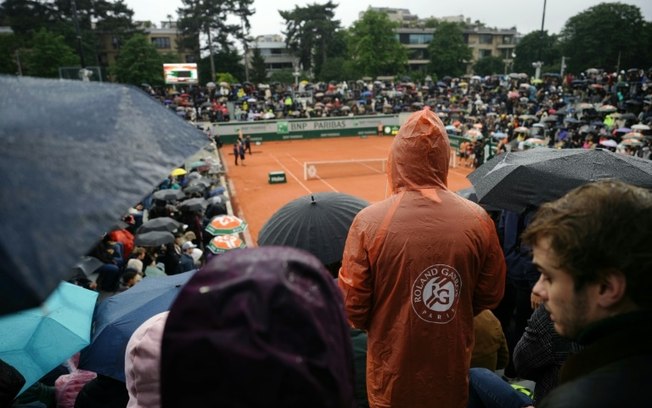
(435, 294)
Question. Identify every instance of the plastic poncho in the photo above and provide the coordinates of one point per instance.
(416, 268)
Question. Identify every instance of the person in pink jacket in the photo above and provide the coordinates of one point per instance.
(417, 267)
(142, 363)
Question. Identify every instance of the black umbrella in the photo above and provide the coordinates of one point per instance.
(514, 181)
(193, 204)
(154, 238)
(317, 223)
(87, 265)
(75, 156)
(194, 188)
(168, 194)
(160, 224)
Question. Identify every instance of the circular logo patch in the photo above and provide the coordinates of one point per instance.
(435, 294)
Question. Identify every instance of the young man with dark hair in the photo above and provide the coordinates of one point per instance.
(592, 247)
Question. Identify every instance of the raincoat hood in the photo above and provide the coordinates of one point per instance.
(258, 327)
(142, 363)
(419, 156)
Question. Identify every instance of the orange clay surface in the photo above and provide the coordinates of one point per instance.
(255, 200)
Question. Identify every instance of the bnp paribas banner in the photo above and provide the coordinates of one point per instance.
(307, 128)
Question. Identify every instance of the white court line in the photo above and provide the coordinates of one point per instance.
(291, 174)
(318, 178)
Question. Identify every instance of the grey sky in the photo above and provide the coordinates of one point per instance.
(524, 14)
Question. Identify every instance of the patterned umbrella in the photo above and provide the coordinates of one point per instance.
(224, 243)
(226, 224)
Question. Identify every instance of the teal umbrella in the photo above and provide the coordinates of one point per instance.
(35, 341)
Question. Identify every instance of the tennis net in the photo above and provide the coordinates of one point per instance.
(343, 168)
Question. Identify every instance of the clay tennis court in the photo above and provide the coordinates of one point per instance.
(255, 200)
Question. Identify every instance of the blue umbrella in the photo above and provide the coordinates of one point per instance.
(35, 341)
(118, 317)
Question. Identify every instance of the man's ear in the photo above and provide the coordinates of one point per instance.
(612, 289)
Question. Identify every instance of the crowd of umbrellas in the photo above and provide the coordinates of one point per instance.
(67, 186)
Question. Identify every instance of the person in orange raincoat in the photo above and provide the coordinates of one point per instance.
(417, 267)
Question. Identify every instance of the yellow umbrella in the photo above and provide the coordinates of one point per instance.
(178, 172)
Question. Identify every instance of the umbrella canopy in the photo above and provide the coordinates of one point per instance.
(117, 317)
(65, 173)
(226, 224)
(521, 129)
(154, 238)
(606, 108)
(318, 223)
(640, 126)
(193, 204)
(37, 340)
(633, 135)
(178, 172)
(515, 181)
(609, 143)
(159, 224)
(168, 194)
(224, 243)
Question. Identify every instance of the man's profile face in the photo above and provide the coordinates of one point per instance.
(570, 311)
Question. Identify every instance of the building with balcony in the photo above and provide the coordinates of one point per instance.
(483, 41)
(275, 53)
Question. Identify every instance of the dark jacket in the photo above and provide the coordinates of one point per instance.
(613, 370)
(186, 263)
(540, 353)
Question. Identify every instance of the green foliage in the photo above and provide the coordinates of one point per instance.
(138, 62)
(226, 77)
(373, 46)
(310, 33)
(48, 52)
(449, 54)
(283, 76)
(215, 16)
(338, 69)
(171, 57)
(600, 35)
(536, 46)
(9, 45)
(489, 66)
(258, 72)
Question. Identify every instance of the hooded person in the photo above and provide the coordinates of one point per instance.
(260, 327)
(142, 363)
(417, 267)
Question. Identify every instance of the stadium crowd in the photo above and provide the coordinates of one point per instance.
(304, 354)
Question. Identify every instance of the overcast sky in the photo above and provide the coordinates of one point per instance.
(526, 15)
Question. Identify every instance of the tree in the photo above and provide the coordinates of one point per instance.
(283, 76)
(373, 46)
(49, 52)
(338, 69)
(9, 46)
(489, 66)
(138, 62)
(537, 46)
(213, 19)
(310, 32)
(449, 54)
(258, 69)
(63, 17)
(608, 36)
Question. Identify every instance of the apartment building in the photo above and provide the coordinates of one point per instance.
(274, 51)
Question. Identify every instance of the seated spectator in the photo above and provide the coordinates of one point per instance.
(490, 348)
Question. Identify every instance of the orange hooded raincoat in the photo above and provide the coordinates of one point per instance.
(416, 268)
